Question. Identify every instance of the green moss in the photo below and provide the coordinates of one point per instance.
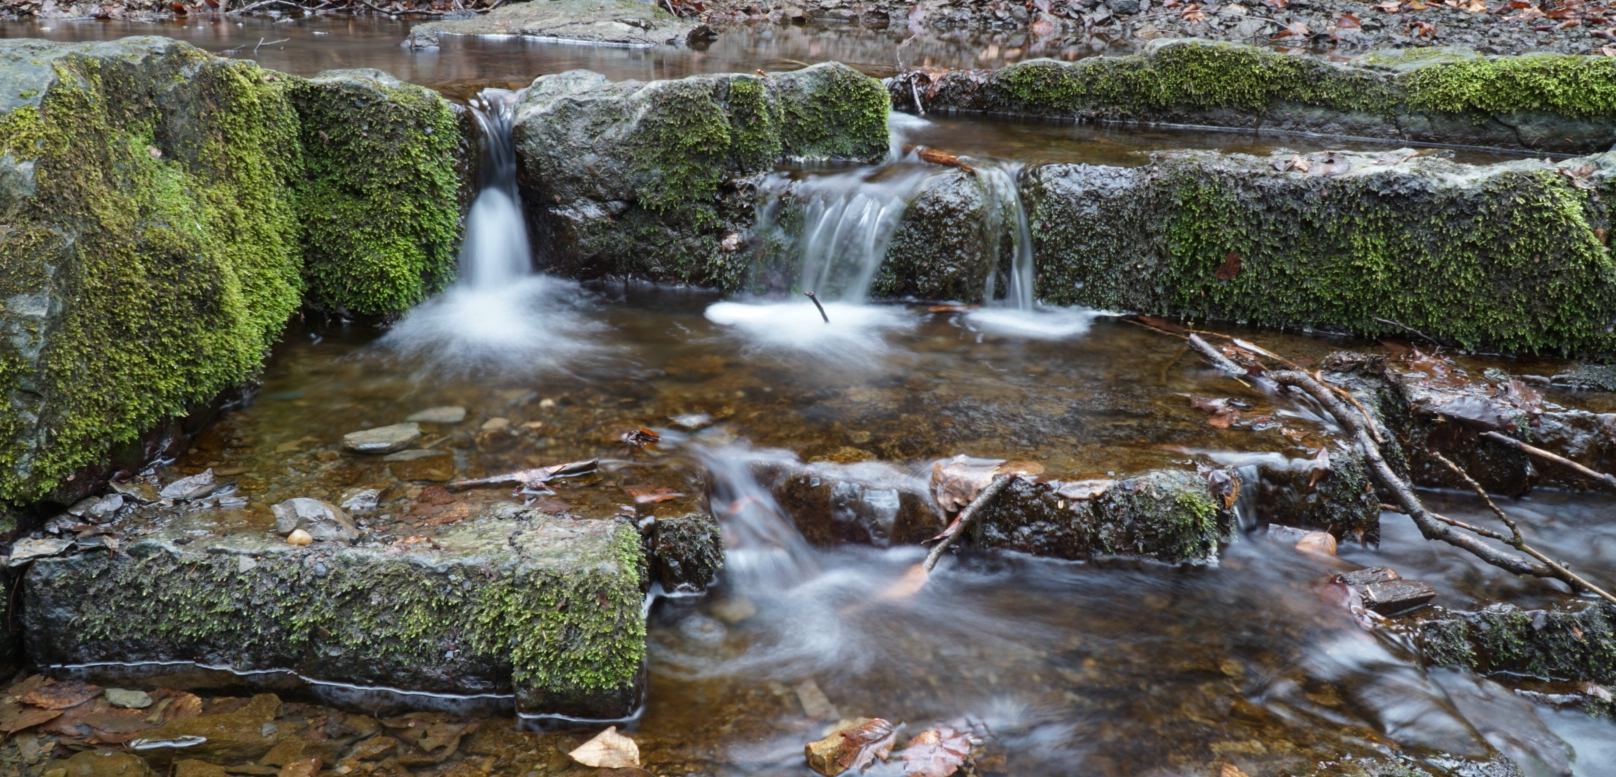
(1507, 260)
(1167, 514)
(1189, 75)
(1576, 643)
(1446, 643)
(183, 259)
(1583, 87)
(380, 200)
(832, 111)
(755, 119)
(21, 133)
(682, 150)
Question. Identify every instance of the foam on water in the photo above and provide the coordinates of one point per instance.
(1037, 323)
(854, 338)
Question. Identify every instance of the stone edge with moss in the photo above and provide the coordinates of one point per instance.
(547, 608)
(1541, 101)
(380, 201)
(153, 255)
(1572, 642)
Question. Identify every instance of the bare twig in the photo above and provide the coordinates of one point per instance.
(963, 522)
(815, 298)
(261, 43)
(1410, 330)
(1217, 358)
(530, 477)
(1515, 540)
(1595, 475)
(937, 157)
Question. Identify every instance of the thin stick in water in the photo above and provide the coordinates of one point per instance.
(815, 298)
(1592, 474)
(963, 522)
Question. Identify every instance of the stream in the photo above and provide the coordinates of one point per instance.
(1104, 668)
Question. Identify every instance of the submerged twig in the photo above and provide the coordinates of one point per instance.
(815, 298)
(273, 42)
(1515, 540)
(963, 522)
(937, 157)
(1411, 330)
(1593, 474)
(530, 477)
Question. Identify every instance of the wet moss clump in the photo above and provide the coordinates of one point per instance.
(1583, 87)
(380, 199)
(1573, 643)
(152, 249)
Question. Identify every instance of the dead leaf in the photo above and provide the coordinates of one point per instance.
(1229, 269)
(608, 750)
(649, 495)
(1080, 490)
(1043, 28)
(1348, 22)
(1220, 414)
(853, 747)
(937, 752)
(1609, 51)
(1278, 3)
(1297, 29)
(1390, 6)
(957, 481)
(15, 717)
(53, 695)
(1320, 543)
(1230, 770)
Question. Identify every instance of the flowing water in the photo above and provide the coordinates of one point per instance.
(1104, 668)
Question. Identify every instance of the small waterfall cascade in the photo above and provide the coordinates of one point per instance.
(495, 251)
(763, 551)
(1005, 213)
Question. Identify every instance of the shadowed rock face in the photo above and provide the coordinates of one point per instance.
(510, 602)
(647, 179)
(1575, 642)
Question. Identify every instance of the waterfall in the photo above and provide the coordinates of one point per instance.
(763, 551)
(495, 251)
(848, 220)
(1005, 213)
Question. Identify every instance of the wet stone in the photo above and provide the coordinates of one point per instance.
(193, 487)
(134, 700)
(324, 522)
(383, 439)
(436, 466)
(687, 552)
(448, 414)
(26, 550)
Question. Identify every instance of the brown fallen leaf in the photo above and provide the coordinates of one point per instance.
(53, 695)
(608, 750)
(15, 717)
(957, 481)
(1043, 28)
(937, 752)
(646, 495)
(853, 747)
(1230, 770)
(1321, 543)
(1348, 22)
(1230, 269)
(306, 767)
(1220, 413)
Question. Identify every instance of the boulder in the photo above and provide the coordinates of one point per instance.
(323, 521)
(1506, 257)
(606, 22)
(1568, 642)
(151, 243)
(947, 244)
(506, 601)
(1440, 96)
(380, 200)
(645, 180)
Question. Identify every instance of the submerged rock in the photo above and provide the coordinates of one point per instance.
(504, 602)
(382, 439)
(434, 466)
(636, 179)
(100, 763)
(1439, 96)
(607, 22)
(448, 414)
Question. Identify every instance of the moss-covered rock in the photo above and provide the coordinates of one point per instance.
(645, 179)
(511, 601)
(947, 244)
(151, 245)
(1575, 642)
(1548, 102)
(1504, 257)
(380, 201)
(686, 552)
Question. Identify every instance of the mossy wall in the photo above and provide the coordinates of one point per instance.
(1542, 101)
(380, 199)
(1577, 642)
(1504, 258)
(153, 252)
(546, 608)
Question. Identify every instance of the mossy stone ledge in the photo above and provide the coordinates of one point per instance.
(1547, 102)
(151, 248)
(648, 180)
(507, 602)
(1510, 257)
(380, 200)
(1568, 642)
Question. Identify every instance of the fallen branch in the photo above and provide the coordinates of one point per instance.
(1410, 330)
(273, 42)
(963, 521)
(1595, 475)
(936, 157)
(815, 298)
(530, 477)
(1515, 540)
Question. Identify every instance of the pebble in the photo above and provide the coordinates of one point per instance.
(382, 439)
(362, 502)
(448, 414)
(193, 487)
(318, 519)
(129, 700)
(496, 424)
(299, 537)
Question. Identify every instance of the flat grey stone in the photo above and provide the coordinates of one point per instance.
(129, 700)
(323, 521)
(382, 439)
(448, 414)
(29, 549)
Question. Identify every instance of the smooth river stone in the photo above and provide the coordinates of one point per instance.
(382, 439)
(435, 466)
(448, 414)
